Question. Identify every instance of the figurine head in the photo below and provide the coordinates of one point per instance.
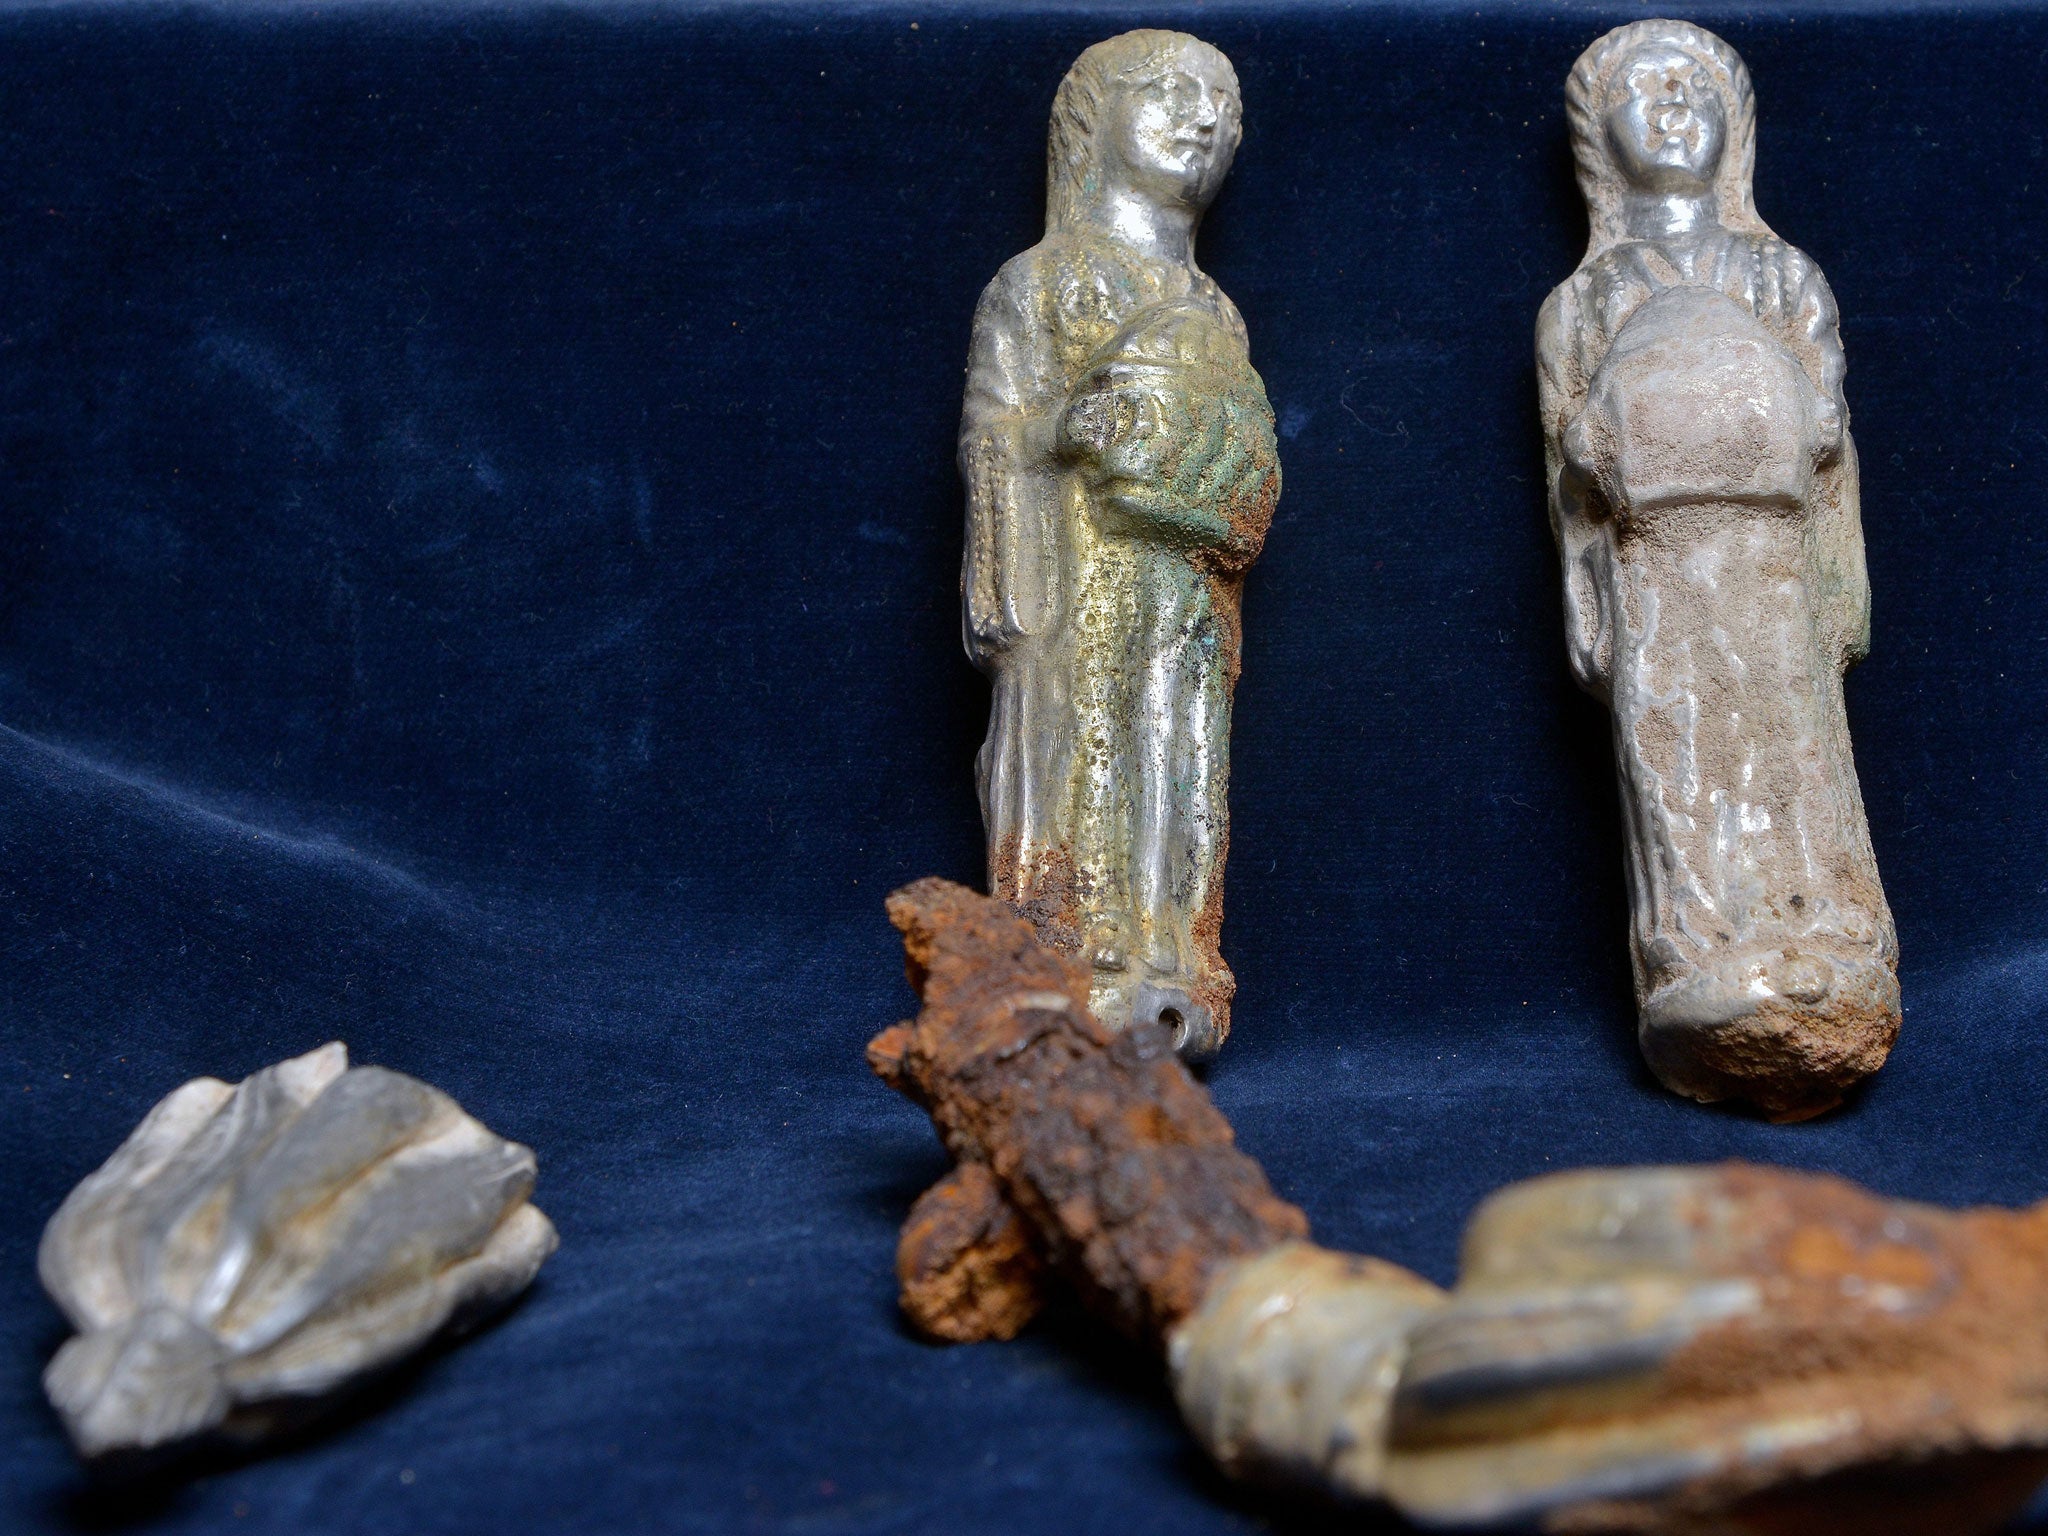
(1662, 107)
(1666, 125)
(1156, 113)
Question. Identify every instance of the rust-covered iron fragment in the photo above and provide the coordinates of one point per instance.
(1113, 1155)
(1737, 1349)
(969, 1267)
(1719, 1351)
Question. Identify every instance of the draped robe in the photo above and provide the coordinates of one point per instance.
(1705, 500)
(1118, 455)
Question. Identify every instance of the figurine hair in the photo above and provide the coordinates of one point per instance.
(1589, 96)
(1073, 170)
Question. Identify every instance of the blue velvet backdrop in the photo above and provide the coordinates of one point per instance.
(479, 567)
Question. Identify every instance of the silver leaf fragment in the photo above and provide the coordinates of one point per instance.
(250, 1250)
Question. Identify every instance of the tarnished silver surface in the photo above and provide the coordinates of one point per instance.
(1118, 454)
(1703, 491)
(1732, 1349)
(251, 1249)
(1286, 1374)
(1723, 1351)
(1536, 1388)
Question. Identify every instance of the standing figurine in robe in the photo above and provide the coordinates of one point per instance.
(1119, 460)
(1704, 496)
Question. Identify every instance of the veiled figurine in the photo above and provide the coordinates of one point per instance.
(1119, 459)
(1704, 496)
(251, 1250)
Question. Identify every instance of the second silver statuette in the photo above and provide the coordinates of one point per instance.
(1704, 495)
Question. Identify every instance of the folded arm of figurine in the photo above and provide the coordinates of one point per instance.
(1171, 427)
(1660, 1350)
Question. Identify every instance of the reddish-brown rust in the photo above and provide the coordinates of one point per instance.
(1058, 900)
(969, 1268)
(1905, 1337)
(1920, 1326)
(1250, 515)
(1110, 1151)
(1219, 984)
(1055, 906)
(1793, 1062)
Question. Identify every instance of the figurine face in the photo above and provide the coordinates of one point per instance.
(1177, 132)
(1668, 125)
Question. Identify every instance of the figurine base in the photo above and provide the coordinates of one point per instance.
(1194, 1027)
(1792, 1040)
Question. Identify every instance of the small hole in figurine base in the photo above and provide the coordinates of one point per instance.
(1171, 1018)
(1191, 1025)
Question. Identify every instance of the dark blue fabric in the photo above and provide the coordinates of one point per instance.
(478, 582)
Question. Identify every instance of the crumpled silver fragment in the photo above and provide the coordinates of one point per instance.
(251, 1249)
